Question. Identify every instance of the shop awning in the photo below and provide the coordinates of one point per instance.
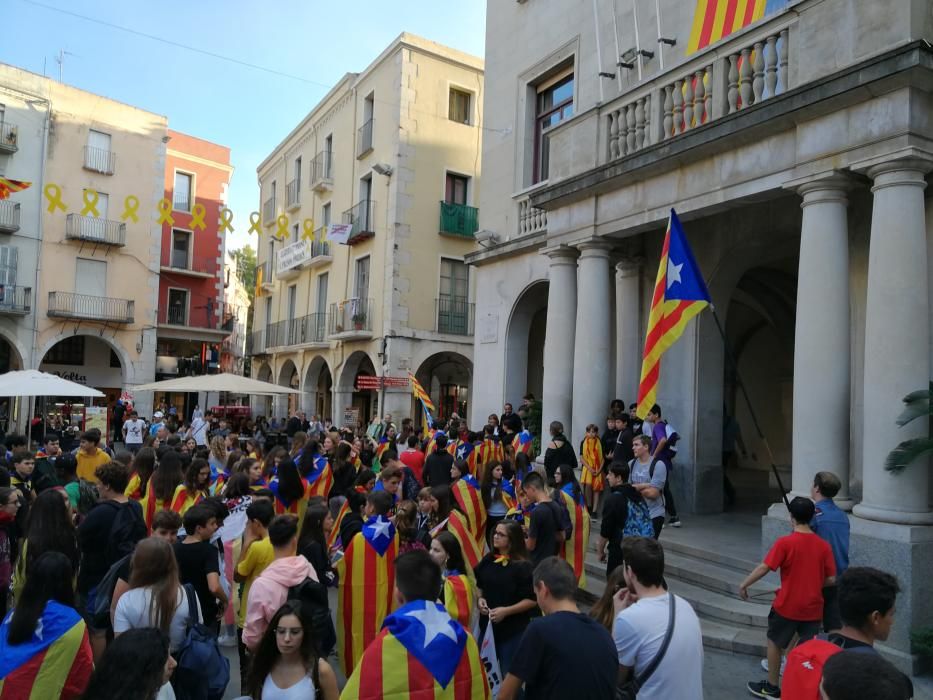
(230, 383)
(32, 382)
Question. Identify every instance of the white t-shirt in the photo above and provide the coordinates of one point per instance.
(302, 690)
(199, 431)
(134, 431)
(133, 613)
(639, 631)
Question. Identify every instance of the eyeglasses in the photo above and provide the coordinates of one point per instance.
(499, 534)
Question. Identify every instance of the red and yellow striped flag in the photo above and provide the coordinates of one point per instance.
(419, 393)
(574, 549)
(459, 526)
(470, 501)
(679, 294)
(459, 598)
(716, 19)
(185, 499)
(335, 530)
(8, 186)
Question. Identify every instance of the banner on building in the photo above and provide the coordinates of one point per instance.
(339, 233)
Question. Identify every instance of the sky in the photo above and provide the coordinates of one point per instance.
(250, 110)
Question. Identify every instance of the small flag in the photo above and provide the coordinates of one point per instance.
(522, 442)
(321, 478)
(8, 187)
(420, 393)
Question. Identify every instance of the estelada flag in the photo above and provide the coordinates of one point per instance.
(335, 530)
(281, 506)
(459, 526)
(321, 478)
(460, 598)
(574, 548)
(420, 653)
(522, 442)
(468, 497)
(679, 294)
(364, 596)
(8, 186)
(55, 663)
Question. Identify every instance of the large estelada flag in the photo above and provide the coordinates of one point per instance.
(420, 653)
(8, 186)
(364, 597)
(55, 663)
(522, 442)
(321, 478)
(716, 19)
(574, 547)
(679, 294)
(467, 495)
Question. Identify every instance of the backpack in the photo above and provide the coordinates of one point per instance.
(128, 528)
(105, 590)
(805, 667)
(638, 521)
(87, 496)
(203, 672)
(314, 604)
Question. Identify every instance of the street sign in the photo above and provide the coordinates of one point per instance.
(369, 383)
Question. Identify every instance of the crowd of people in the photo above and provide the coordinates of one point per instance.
(451, 550)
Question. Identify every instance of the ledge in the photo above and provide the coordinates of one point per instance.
(507, 249)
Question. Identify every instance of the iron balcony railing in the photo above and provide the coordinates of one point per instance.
(365, 139)
(175, 315)
(264, 273)
(9, 137)
(293, 194)
(90, 308)
(268, 211)
(459, 220)
(311, 328)
(179, 260)
(181, 201)
(322, 169)
(9, 216)
(15, 299)
(351, 315)
(256, 342)
(100, 160)
(360, 217)
(454, 315)
(89, 228)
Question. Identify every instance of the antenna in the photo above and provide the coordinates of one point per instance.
(60, 59)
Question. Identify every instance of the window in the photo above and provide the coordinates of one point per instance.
(181, 247)
(67, 351)
(97, 156)
(271, 258)
(91, 277)
(361, 278)
(322, 294)
(9, 256)
(298, 172)
(453, 308)
(292, 300)
(268, 313)
(455, 279)
(458, 109)
(328, 154)
(553, 104)
(295, 233)
(272, 192)
(365, 133)
(181, 198)
(455, 191)
(178, 307)
(325, 214)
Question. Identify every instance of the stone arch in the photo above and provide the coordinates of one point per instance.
(358, 362)
(288, 376)
(524, 344)
(345, 393)
(126, 364)
(448, 377)
(264, 373)
(17, 352)
(262, 405)
(316, 391)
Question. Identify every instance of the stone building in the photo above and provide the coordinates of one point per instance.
(794, 142)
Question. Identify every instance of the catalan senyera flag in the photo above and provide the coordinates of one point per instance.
(134, 490)
(8, 186)
(468, 497)
(420, 653)
(459, 526)
(679, 294)
(460, 598)
(335, 530)
(364, 596)
(716, 19)
(152, 504)
(574, 548)
(55, 663)
(184, 499)
(419, 393)
(591, 456)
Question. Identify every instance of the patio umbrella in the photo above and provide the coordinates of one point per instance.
(225, 382)
(32, 382)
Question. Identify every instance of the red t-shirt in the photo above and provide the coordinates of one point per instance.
(805, 560)
(414, 460)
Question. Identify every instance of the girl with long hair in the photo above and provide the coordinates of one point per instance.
(143, 467)
(165, 479)
(498, 496)
(312, 541)
(343, 469)
(218, 456)
(459, 590)
(49, 528)
(603, 611)
(253, 449)
(194, 489)
(45, 629)
(365, 481)
(136, 665)
(566, 481)
(270, 462)
(253, 470)
(299, 444)
(290, 491)
(406, 524)
(521, 465)
(155, 597)
(506, 593)
(440, 494)
(229, 468)
(237, 488)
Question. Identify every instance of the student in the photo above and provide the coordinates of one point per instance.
(24, 465)
(44, 476)
(66, 471)
(312, 542)
(624, 513)
(50, 529)
(90, 456)
(133, 432)
(663, 447)
(390, 479)
(195, 487)
(649, 476)
(437, 464)
(853, 676)
(544, 532)
(198, 563)
(459, 589)
(807, 566)
(624, 435)
(564, 654)
(498, 496)
(643, 612)
(137, 665)
(161, 487)
(635, 423)
(591, 475)
(9, 505)
(559, 451)
(144, 461)
(603, 610)
(832, 524)
(287, 664)
(413, 458)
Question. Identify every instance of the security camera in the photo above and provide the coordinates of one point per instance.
(383, 169)
(487, 238)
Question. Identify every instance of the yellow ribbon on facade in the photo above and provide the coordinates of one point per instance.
(130, 209)
(53, 193)
(282, 231)
(226, 220)
(197, 217)
(254, 224)
(307, 233)
(165, 212)
(90, 203)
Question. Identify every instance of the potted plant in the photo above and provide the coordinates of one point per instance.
(359, 318)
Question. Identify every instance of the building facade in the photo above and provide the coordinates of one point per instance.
(393, 153)
(795, 146)
(237, 304)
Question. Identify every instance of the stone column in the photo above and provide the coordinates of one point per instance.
(821, 339)
(897, 359)
(628, 334)
(592, 353)
(559, 339)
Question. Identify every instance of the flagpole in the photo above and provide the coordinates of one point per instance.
(751, 409)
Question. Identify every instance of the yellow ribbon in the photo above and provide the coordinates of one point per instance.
(90, 203)
(53, 193)
(254, 224)
(226, 220)
(130, 209)
(282, 231)
(307, 232)
(165, 212)
(197, 217)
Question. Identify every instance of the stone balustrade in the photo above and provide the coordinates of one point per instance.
(530, 219)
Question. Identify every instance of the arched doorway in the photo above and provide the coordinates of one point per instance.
(524, 345)
(262, 405)
(288, 376)
(353, 406)
(10, 407)
(318, 389)
(447, 377)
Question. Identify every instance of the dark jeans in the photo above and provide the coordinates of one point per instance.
(613, 560)
(669, 506)
(244, 660)
(658, 523)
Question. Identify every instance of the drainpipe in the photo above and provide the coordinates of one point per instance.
(599, 52)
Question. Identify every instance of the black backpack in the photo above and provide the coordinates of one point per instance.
(128, 528)
(314, 604)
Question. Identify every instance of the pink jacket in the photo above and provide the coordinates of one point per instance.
(269, 592)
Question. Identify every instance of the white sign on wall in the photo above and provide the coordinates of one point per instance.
(489, 328)
(293, 255)
(339, 233)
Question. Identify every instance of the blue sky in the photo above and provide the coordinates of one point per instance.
(246, 109)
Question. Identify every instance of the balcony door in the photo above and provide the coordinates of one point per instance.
(178, 307)
(361, 279)
(91, 277)
(181, 249)
(320, 309)
(96, 228)
(453, 298)
(456, 189)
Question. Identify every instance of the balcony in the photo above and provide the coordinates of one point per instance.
(268, 211)
(264, 275)
(364, 140)
(459, 220)
(99, 160)
(307, 330)
(83, 307)
(178, 263)
(360, 217)
(292, 259)
(181, 201)
(9, 137)
(94, 230)
(256, 343)
(454, 316)
(351, 319)
(293, 194)
(531, 220)
(9, 216)
(15, 300)
(176, 316)
(322, 167)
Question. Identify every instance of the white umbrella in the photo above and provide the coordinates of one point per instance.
(31, 382)
(230, 383)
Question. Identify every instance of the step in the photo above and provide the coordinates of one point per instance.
(707, 554)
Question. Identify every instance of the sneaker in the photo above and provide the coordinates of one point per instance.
(763, 689)
(674, 522)
(764, 665)
(225, 640)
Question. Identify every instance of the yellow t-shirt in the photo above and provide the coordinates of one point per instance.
(87, 464)
(257, 558)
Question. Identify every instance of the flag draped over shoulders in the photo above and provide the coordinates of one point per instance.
(459, 598)
(420, 653)
(574, 547)
(364, 598)
(468, 498)
(458, 525)
(321, 478)
(185, 499)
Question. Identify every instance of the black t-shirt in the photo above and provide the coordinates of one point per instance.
(566, 655)
(622, 452)
(503, 586)
(543, 528)
(93, 536)
(615, 513)
(195, 562)
(437, 469)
